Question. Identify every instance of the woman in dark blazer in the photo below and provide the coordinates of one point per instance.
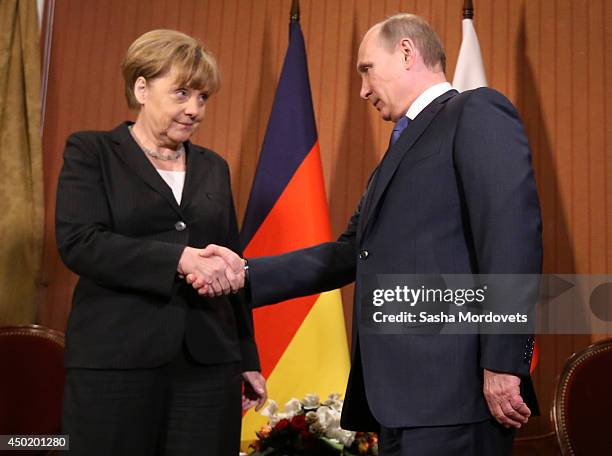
(153, 368)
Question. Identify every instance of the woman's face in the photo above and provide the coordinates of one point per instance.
(170, 112)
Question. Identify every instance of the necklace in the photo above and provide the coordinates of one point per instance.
(180, 151)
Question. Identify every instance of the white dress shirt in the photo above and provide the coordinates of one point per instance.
(427, 97)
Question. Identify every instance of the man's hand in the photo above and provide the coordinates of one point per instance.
(254, 393)
(210, 272)
(230, 257)
(234, 270)
(504, 399)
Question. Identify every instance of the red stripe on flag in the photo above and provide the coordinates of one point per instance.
(294, 222)
(535, 358)
(298, 218)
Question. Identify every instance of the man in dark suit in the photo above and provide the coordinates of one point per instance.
(454, 194)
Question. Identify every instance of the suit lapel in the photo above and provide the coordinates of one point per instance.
(395, 154)
(199, 169)
(134, 157)
(192, 157)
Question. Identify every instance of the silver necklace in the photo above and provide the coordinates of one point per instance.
(180, 151)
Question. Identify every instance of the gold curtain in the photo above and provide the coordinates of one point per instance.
(21, 185)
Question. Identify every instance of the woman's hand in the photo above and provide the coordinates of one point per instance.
(233, 268)
(254, 393)
(208, 272)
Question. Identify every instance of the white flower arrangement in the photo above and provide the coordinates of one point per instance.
(309, 427)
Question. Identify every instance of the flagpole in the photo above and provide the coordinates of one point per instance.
(468, 9)
(469, 71)
(295, 11)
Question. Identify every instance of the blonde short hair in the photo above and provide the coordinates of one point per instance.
(157, 52)
(405, 25)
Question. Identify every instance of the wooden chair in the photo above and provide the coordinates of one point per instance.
(32, 380)
(582, 406)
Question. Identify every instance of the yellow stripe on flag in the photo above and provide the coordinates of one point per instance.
(315, 361)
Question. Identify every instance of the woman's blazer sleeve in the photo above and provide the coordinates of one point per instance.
(242, 310)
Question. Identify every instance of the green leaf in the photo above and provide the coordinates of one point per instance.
(336, 445)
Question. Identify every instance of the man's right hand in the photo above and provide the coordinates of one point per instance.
(210, 272)
(233, 268)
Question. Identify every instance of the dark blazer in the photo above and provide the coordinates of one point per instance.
(454, 195)
(120, 229)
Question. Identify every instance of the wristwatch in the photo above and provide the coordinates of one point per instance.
(246, 271)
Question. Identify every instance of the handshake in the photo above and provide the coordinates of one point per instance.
(212, 271)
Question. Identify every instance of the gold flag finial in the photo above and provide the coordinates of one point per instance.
(295, 11)
(468, 9)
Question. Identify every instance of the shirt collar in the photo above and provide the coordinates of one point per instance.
(427, 97)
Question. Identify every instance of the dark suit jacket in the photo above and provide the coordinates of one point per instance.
(117, 226)
(454, 195)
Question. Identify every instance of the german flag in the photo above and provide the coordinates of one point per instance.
(302, 343)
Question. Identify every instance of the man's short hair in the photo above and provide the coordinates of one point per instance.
(405, 25)
(157, 52)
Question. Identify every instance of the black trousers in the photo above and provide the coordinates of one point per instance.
(485, 438)
(182, 408)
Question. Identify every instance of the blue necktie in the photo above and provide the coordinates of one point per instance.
(399, 127)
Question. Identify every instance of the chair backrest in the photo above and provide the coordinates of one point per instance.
(32, 380)
(582, 407)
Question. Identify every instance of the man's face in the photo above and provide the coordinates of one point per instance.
(383, 76)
